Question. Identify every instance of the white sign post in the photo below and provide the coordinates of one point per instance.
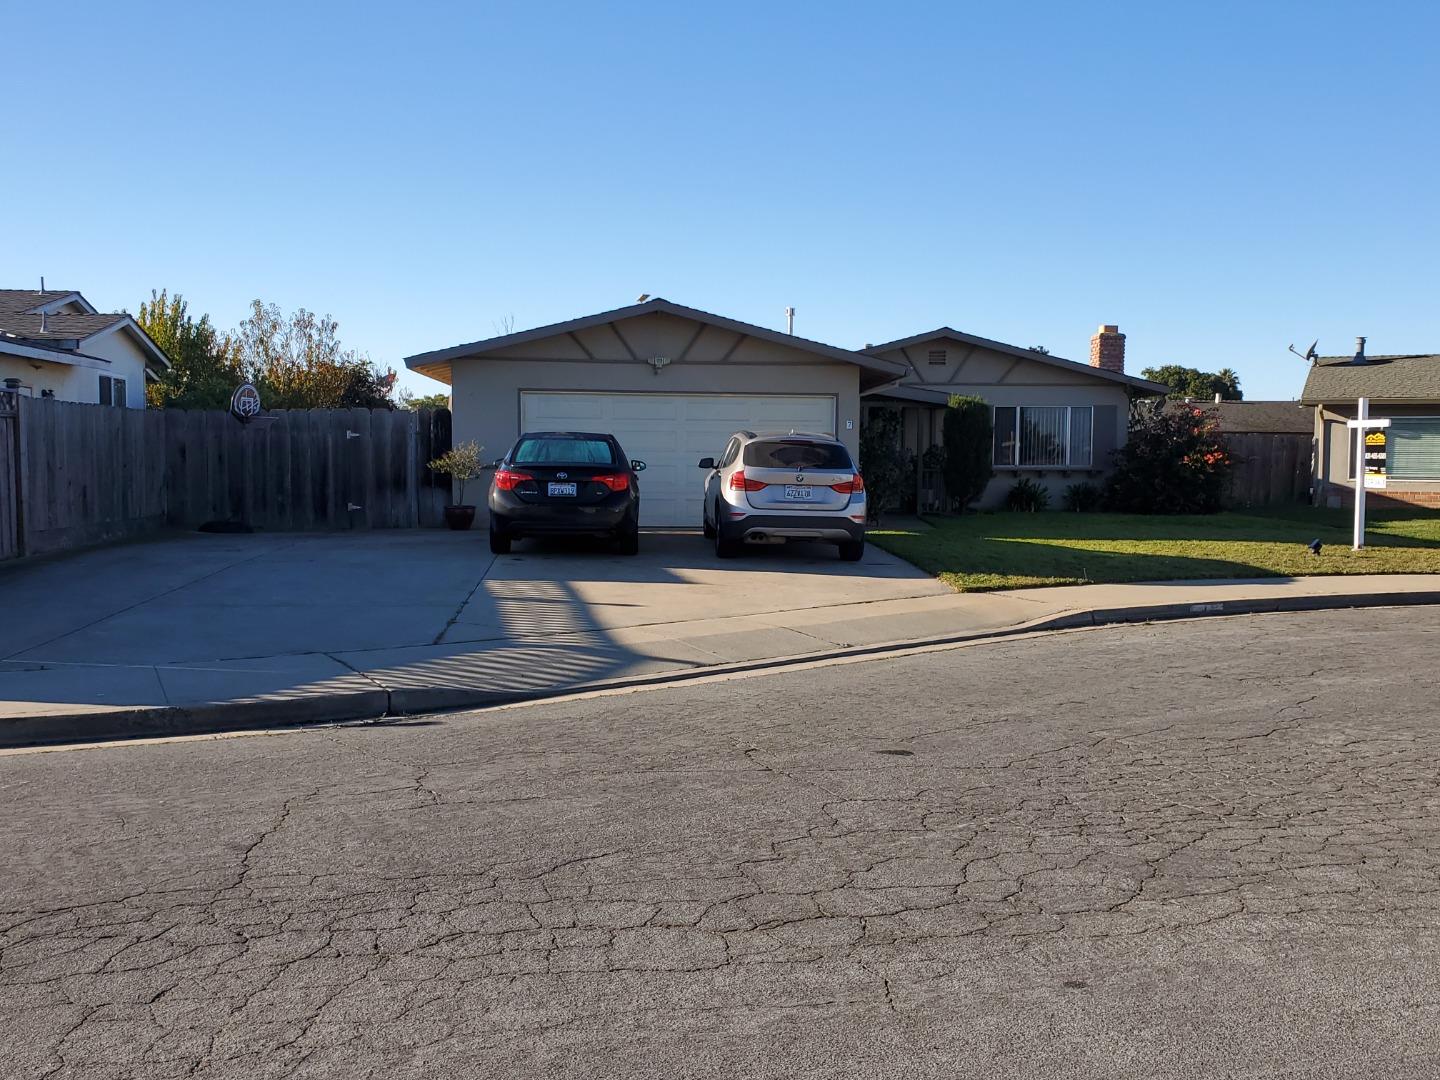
(1362, 425)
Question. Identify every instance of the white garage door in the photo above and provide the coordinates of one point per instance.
(672, 432)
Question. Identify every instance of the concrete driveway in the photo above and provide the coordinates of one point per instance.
(196, 618)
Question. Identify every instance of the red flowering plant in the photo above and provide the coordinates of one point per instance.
(1175, 462)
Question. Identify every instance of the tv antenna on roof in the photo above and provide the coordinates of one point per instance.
(1309, 355)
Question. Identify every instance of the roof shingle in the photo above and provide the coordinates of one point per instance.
(1265, 417)
(1406, 377)
(57, 327)
(19, 301)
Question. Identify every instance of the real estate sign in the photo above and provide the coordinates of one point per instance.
(1375, 457)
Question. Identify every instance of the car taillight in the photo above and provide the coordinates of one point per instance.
(740, 482)
(508, 479)
(854, 486)
(615, 481)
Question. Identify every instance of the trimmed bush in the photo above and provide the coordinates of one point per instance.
(968, 450)
(882, 462)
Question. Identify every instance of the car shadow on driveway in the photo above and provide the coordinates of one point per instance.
(198, 619)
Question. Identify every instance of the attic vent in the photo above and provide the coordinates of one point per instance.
(938, 356)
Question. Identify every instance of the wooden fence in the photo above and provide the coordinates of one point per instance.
(1272, 469)
(87, 474)
(9, 475)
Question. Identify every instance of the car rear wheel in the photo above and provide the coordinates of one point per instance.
(499, 542)
(852, 550)
(725, 547)
(627, 540)
(706, 527)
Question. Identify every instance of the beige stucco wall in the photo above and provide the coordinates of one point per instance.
(115, 355)
(485, 389)
(1004, 379)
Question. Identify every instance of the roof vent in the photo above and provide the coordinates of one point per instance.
(937, 356)
(1360, 351)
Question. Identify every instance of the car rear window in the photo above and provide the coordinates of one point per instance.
(563, 451)
(796, 454)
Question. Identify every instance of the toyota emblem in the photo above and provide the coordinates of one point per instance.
(562, 476)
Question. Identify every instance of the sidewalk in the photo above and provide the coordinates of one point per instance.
(72, 699)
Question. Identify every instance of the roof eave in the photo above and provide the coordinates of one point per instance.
(138, 333)
(884, 369)
(1144, 386)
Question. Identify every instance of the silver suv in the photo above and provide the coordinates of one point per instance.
(774, 487)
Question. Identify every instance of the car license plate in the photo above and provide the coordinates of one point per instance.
(561, 489)
(793, 492)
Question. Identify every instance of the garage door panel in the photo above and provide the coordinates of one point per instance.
(672, 432)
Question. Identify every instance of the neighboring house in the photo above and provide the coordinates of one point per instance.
(671, 382)
(1406, 389)
(1056, 421)
(55, 344)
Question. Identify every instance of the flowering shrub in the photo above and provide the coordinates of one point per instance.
(1175, 462)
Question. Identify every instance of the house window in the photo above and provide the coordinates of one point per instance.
(1044, 436)
(937, 356)
(1413, 448)
(112, 391)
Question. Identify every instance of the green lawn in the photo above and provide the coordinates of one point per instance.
(1008, 551)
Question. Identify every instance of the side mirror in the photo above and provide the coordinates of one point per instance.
(638, 466)
(707, 463)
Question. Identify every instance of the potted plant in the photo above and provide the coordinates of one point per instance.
(461, 463)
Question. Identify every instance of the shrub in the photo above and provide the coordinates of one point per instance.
(882, 461)
(1027, 496)
(1084, 497)
(1175, 462)
(968, 450)
(461, 463)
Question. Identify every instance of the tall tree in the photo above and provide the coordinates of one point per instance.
(299, 363)
(1185, 382)
(204, 370)
(407, 400)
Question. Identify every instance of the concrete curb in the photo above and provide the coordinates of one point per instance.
(264, 713)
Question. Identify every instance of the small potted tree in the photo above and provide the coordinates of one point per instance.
(461, 463)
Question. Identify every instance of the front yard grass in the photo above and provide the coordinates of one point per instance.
(977, 552)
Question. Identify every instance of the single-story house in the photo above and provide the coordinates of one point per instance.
(1402, 461)
(1056, 421)
(53, 343)
(672, 382)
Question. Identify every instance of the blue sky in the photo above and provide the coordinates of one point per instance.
(1220, 180)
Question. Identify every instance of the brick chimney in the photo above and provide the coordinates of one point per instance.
(1107, 349)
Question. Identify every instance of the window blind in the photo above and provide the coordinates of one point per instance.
(1043, 437)
(1413, 445)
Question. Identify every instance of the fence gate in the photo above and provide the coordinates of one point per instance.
(9, 474)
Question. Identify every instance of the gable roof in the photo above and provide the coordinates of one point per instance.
(439, 359)
(1263, 417)
(1404, 377)
(19, 301)
(1145, 386)
(57, 327)
(66, 333)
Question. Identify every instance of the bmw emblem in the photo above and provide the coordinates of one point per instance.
(799, 479)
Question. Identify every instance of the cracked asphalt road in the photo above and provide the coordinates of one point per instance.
(1188, 850)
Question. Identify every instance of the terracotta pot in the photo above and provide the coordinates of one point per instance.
(459, 517)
